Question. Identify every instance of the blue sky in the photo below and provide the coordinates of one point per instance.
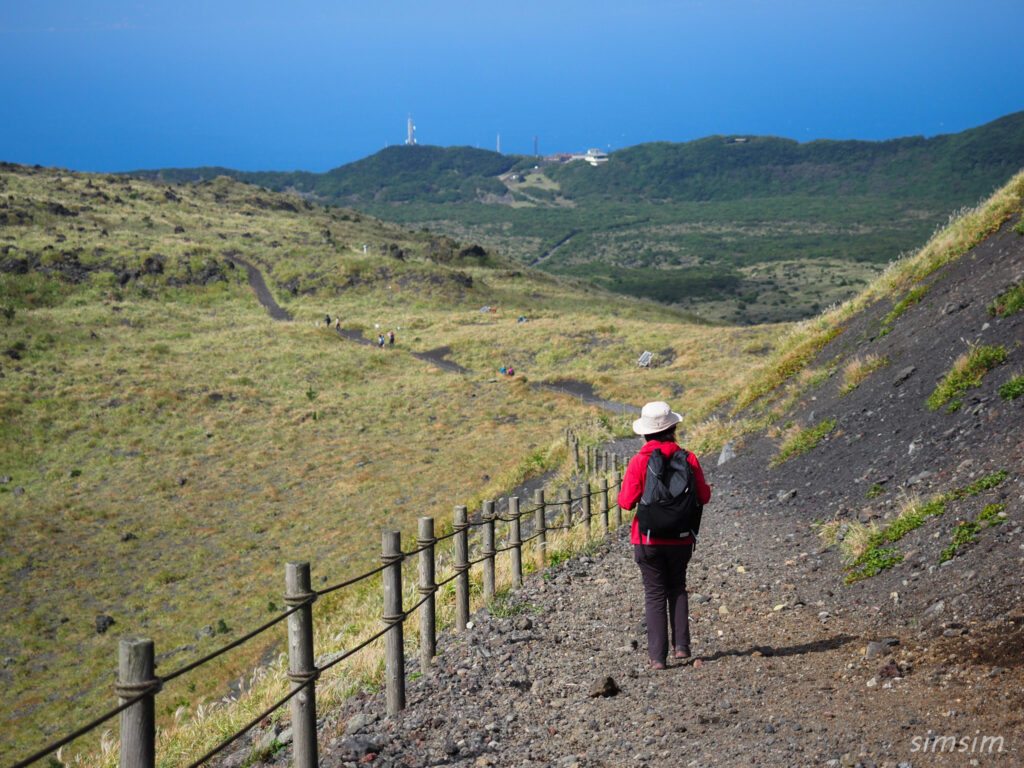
(106, 85)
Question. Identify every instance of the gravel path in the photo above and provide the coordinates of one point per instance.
(259, 286)
(785, 674)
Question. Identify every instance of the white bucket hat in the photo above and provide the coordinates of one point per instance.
(655, 417)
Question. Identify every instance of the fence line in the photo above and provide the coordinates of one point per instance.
(137, 685)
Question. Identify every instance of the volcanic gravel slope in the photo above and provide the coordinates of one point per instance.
(920, 665)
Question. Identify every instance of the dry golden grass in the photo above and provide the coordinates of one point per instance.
(859, 539)
(858, 369)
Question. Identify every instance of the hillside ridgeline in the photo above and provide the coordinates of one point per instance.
(743, 228)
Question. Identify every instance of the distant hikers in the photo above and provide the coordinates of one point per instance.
(380, 340)
(327, 322)
(391, 338)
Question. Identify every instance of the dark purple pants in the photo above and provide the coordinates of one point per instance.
(663, 569)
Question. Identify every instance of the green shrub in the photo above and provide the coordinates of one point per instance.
(803, 441)
(1012, 389)
(967, 372)
(964, 533)
(990, 514)
(875, 561)
(1009, 302)
(986, 483)
(913, 297)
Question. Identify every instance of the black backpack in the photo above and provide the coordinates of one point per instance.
(669, 507)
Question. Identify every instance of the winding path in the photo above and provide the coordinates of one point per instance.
(548, 253)
(439, 356)
(434, 357)
(259, 286)
(585, 393)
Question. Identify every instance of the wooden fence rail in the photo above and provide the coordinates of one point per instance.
(137, 685)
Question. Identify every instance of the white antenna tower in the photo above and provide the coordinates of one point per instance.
(499, 143)
(411, 132)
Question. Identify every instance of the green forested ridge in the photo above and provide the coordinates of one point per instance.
(711, 216)
(395, 174)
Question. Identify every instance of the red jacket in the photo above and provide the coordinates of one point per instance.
(633, 488)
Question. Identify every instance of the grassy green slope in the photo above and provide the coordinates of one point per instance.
(168, 446)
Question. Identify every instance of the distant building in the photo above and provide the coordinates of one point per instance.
(592, 156)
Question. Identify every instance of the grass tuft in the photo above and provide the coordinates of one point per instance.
(913, 297)
(803, 440)
(1008, 303)
(866, 550)
(858, 369)
(1013, 388)
(966, 372)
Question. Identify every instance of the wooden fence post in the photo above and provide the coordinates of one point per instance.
(460, 544)
(589, 459)
(394, 656)
(603, 501)
(576, 455)
(427, 588)
(616, 482)
(488, 549)
(565, 502)
(586, 507)
(515, 541)
(302, 671)
(138, 726)
(540, 522)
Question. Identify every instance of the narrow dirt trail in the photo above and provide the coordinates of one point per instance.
(551, 251)
(259, 287)
(585, 393)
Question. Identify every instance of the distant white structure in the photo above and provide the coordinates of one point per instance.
(592, 156)
(499, 143)
(410, 138)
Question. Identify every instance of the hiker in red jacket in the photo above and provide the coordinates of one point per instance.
(662, 561)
